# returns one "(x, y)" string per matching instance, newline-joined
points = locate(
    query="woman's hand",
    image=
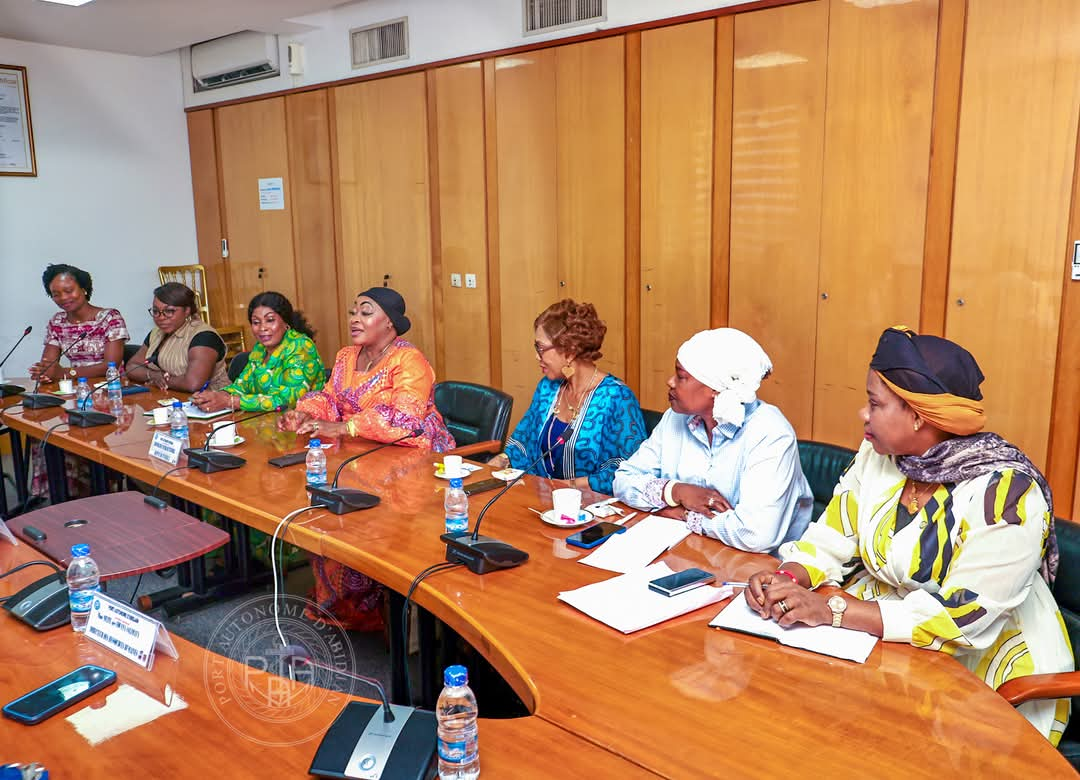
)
(292, 420)
(158, 379)
(322, 428)
(44, 373)
(775, 596)
(703, 500)
(500, 461)
(213, 400)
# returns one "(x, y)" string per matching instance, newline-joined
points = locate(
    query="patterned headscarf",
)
(729, 362)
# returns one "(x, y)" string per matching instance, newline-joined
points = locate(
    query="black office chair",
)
(823, 464)
(652, 419)
(1055, 686)
(477, 416)
(237, 364)
(130, 348)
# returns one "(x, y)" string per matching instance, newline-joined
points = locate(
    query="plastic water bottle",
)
(82, 581)
(82, 394)
(456, 504)
(178, 425)
(459, 750)
(116, 394)
(316, 464)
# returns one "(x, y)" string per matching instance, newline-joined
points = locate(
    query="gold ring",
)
(710, 503)
(783, 607)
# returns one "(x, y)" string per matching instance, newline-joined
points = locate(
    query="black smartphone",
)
(594, 535)
(53, 697)
(483, 486)
(681, 581)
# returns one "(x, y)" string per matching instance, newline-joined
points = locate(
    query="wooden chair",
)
(194, 277)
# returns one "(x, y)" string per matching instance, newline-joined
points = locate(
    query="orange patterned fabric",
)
(945, 411)
(386, 403)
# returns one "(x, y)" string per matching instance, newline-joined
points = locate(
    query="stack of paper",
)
(837, 642)
(638, 546)
(625, 603)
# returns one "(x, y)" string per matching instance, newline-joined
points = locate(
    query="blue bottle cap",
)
(314, 444)
(455, 676)
(455, 483)
(80, 550)
(112, 364)
(82, 380)
(177, 405)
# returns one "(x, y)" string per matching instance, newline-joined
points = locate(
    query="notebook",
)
(195, 413)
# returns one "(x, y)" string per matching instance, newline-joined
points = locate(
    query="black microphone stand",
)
(210, 461)
(36, 400)
(341, 501)
(5, 389)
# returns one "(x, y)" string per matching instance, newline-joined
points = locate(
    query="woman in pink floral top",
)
(98, 334)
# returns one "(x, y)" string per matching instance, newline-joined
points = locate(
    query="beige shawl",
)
(173, 357)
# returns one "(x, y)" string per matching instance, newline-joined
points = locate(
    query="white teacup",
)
(452, 466)
(161, 415)
(567, 502)
(66, 387)
(224, 433)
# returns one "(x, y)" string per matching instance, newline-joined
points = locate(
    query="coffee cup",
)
(567, 502)
(161, 416)
(224, 433)
(66, 387)
(452, 466)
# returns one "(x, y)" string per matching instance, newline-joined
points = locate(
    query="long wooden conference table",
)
(677, 700)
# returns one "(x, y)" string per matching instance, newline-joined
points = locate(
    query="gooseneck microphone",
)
(295, 656)
(209, 461)
(81, 417)
(36, 400)
(482, 554)
(6, 390)
(341, 501)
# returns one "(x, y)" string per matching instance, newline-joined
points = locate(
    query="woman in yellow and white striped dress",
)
(942, 536)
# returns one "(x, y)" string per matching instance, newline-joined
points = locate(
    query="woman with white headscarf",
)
(727, 459)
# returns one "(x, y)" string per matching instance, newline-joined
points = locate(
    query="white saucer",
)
(506, 475)
(460, 475)
(236, 440)
(549, 517)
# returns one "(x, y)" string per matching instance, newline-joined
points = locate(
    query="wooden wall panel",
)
(777, 146)
(251, 140)
(202, 145)
(676, 196)
(1013, 183)
(591, 164)
(528, 247)
(382, 160)
(308, 127)
(723, 86)
(877, 146)
(459, 129)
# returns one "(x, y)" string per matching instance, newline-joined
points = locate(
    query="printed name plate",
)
(165, 447)
(127, 632)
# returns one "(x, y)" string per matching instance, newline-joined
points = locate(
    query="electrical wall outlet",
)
(470, 281)
(455, 280)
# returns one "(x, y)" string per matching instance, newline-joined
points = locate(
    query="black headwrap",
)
(391, 302)
(927, 364)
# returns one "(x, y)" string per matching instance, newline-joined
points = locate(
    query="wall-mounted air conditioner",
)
(232, 59)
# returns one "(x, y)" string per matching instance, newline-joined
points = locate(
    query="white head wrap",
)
(729, 362)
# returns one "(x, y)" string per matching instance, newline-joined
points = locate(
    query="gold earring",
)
(568, 370)
(915, 426)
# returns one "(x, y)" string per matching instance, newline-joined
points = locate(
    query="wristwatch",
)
(837, 604)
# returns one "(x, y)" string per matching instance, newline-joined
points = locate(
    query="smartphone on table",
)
(60, 694)
(483, 486)
(681, 581)
(594, 535)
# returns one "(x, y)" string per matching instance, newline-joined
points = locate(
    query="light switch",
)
(455, 280)
(470, 281)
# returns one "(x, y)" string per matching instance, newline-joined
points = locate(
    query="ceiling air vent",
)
(378, 43)
(543, 16)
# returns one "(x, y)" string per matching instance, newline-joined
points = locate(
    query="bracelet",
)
(350, 426)
(668, 488)
(788, 574)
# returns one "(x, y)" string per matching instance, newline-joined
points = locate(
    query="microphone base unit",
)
(360, 743)
(212, 461)
(342, 501)
(483, 554)
(88, 418)
(41, 400)
(6, 390)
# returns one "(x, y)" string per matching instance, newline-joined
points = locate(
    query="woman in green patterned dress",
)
(282, 367)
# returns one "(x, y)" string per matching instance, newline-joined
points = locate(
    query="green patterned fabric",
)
(293, 369)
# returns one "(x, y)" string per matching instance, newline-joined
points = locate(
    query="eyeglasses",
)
(542, 348)
(168, 312)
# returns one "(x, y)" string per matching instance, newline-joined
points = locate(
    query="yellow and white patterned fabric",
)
(961, 577)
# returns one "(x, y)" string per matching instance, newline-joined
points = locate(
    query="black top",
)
(207, 338)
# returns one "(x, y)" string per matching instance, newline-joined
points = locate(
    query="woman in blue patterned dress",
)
(597, 414)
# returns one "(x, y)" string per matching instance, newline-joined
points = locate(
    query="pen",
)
(737, 584)
(202, 389)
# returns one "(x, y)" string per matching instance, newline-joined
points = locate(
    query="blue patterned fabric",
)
(607, 431)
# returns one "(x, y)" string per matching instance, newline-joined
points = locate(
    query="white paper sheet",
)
(837, 642)
(626, 604)
(639, 545)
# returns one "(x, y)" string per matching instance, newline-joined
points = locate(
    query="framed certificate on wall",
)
(16, 132)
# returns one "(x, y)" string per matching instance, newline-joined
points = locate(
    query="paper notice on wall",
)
(271, 194)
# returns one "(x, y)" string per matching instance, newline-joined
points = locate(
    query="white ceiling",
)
(147, 27)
